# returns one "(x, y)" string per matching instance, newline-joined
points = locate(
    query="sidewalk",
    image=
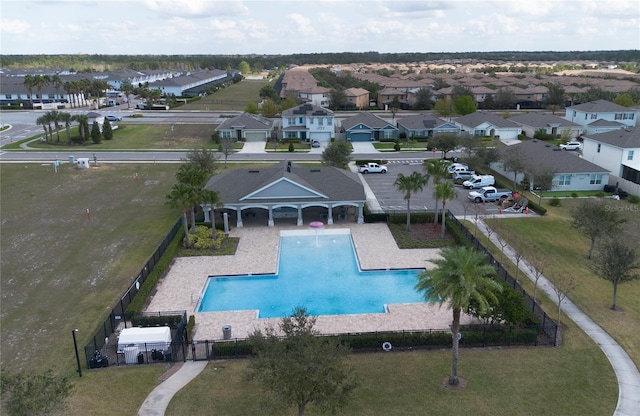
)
(625, 369)
(157, 401)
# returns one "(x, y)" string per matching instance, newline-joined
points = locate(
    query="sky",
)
(213, 27)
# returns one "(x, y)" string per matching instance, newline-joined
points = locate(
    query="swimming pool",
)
(317, 271)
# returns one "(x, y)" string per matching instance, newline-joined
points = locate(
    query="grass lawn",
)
(145, 136)
(566, 253)
(233, 98)
(61, 270)
(573, 194)
(573, 380)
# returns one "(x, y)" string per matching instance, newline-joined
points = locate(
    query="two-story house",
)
(618, 152)
(308, 122)
(601, 116)
(357, 97)
(315, 95)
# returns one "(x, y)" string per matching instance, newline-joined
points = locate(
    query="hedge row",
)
(472, 336)
(145, 321)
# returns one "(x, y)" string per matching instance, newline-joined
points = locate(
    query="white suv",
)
(571, 146)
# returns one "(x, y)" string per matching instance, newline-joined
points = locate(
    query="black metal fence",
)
(117, 316)
(548, 325)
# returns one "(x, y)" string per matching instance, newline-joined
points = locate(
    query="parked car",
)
(479, 181)
(456, 167)
(113, 118)
(315, 143)
(571, 146)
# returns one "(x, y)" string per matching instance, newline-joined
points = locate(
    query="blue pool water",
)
(324, 278)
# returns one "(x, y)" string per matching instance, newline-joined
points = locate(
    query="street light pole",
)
(75, 346)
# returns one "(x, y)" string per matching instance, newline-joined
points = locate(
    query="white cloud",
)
(196, 8)
(303, 24)
(15, 27)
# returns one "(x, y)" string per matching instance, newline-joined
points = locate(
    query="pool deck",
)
(257, 253)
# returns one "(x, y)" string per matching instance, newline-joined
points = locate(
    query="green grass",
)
(144, 136)
(233, 98)
(567, 194)
(566, 252)
(62, 271)
(573, 380)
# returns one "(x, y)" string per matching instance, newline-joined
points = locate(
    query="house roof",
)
(539, 120)
(479, 117)
(601, 106)
(247, 121)
(601, 122)
(307, 110)
(368, 119)
(538, 153)
(355, 92)
(315, 89)
(322, 185)
(420, 122)
(625, 138)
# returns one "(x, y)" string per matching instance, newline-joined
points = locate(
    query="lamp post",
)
(75, 346)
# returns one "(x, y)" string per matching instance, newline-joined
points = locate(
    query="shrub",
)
(291, 147)
(203, 240)
(191, 324)
(537, 208)
(396, 147)
(149, 321)
(574, 194)
(634, 199)
(555, 202)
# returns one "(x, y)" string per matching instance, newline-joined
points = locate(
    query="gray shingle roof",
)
(368, 119)
(248, 121)
(625, 138)
(599, 106)
(479, 117)
(541, 120)
(336, 184)
(307, 110)
(538, 153)
(420, 122)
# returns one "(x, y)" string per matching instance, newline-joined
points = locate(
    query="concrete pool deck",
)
(257, 253)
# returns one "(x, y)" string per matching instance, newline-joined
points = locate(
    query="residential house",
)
(601, 116)
(425, 125)
(364, 127)
(572, 173)
(357, 97)
(288, 192)
(308, 122)
(549, 123)
(619, 152)
(388, 96)
(315, 95)
(246, 128)
(483, 123)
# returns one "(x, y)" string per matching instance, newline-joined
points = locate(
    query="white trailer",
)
(134, 340)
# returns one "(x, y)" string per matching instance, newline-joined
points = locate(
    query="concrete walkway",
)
(624, 368)
(157, 401)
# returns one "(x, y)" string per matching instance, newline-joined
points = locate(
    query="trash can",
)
(226, 332)
(72, 159)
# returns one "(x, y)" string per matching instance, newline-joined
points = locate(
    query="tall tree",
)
(83, 126)
(268, 92)
(96, 134)
(337, 154)
(45, 121)
(269, 109)
(464, 105)
(337, 99)
(617, 262)
(424, 99)
(30, 83)
(56, 81)
(409, 185)
(594, 219)
(107, 130)
(127, 88)
(40, 82)
(212, 198)
(460, 276)
(67, 119)
(514, 160)
(205, 158)
(180, 197)
(437, 170)
(445, 142)
(244, 67)
(195, 178)
(444, 191)
(301, 368)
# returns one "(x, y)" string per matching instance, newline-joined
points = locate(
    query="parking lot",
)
(390, 199)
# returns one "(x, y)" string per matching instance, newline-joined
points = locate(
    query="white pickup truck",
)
(489, 194)
(372, 167)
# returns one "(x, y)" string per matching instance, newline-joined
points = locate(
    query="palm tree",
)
(127, 88)
(437, 169)
(44, 120)
(444, 192)
(180, 197)
(30, 83)
(462, 274)
(410, 184)
(56, 82)
(83, 127)
(55, 117)
(194, 177)
(40, 82)
(67, 119)
(213, 199)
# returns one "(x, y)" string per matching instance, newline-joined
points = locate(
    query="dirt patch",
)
(462, 384)
(428, 232)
